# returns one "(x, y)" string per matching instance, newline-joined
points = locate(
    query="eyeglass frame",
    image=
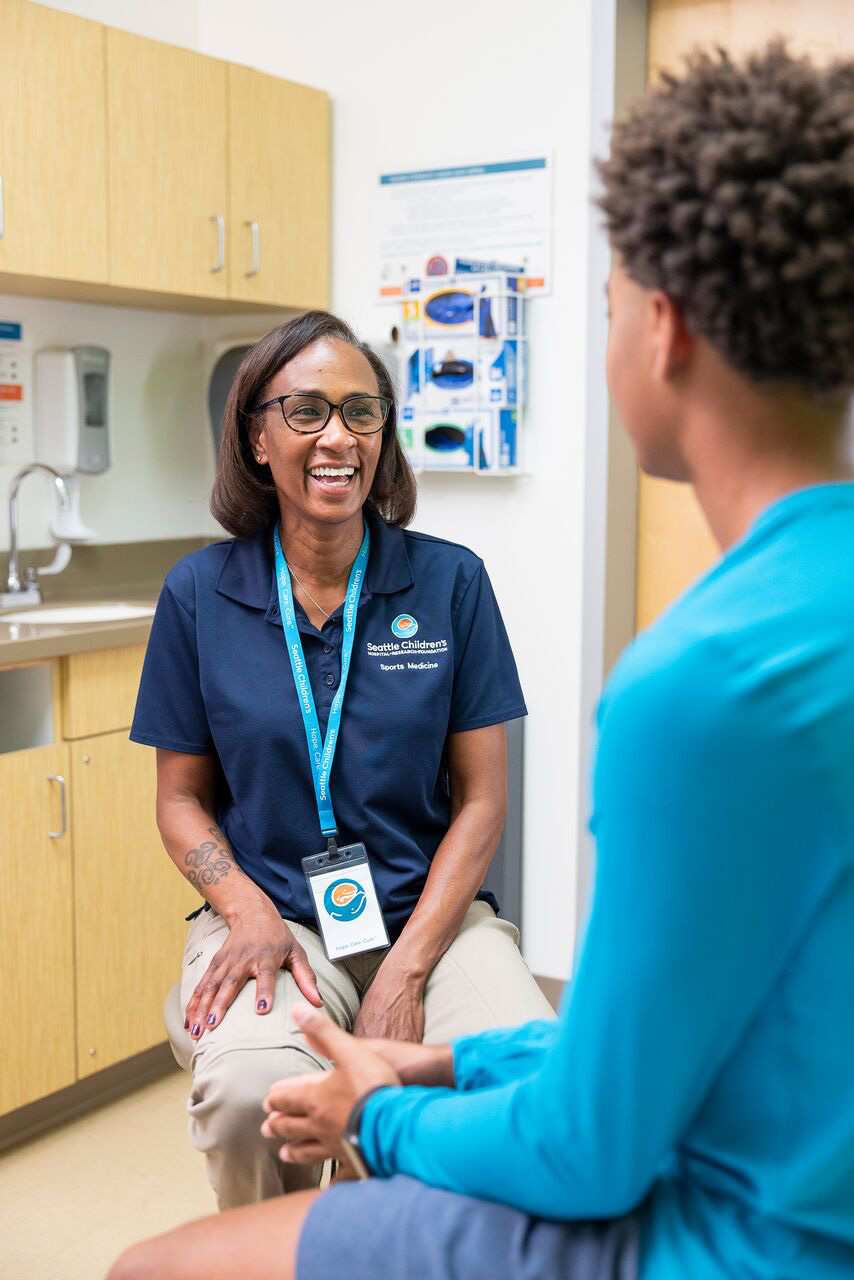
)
(311, 395)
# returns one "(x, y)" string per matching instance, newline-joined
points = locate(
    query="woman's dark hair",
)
(244, 499)
(731, 188)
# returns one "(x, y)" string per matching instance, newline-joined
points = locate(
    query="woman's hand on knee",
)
(258, 945)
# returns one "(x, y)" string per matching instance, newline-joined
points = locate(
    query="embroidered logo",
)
(404, 625)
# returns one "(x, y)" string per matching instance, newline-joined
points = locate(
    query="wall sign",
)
(489, 217)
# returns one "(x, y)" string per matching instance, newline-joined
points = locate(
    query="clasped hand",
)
(310, 1112)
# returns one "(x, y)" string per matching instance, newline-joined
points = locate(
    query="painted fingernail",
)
(262, 1004)
(186, 1024)
(196, 1030)
(211, 1019)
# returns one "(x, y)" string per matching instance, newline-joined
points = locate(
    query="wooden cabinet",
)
(99, 690)
(279, 142)
(168, 179)
(129, 902)
(36, 947)
(91, 909)
(139, 173)
(53, 144)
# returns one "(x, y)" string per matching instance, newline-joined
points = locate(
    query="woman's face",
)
(335, 370)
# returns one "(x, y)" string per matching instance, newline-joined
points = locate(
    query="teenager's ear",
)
(672, 341)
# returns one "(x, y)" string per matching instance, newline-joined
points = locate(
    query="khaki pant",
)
(481, 982)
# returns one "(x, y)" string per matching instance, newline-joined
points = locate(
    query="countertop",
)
(28, 641)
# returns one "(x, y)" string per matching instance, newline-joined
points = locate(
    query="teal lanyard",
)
(320, 754)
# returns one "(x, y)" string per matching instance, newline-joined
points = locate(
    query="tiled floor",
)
(71, 1200)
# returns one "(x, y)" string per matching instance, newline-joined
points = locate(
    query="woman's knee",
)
(226, 1100)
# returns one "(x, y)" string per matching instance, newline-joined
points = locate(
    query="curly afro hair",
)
(731, 188)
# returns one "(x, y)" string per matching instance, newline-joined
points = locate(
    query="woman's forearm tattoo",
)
(211, 862)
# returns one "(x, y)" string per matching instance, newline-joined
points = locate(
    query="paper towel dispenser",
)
(223, 362)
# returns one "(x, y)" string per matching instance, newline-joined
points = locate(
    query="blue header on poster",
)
(461, 171)
(10, 332)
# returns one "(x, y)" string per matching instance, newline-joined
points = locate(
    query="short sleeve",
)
(170, 710)
(486, 683)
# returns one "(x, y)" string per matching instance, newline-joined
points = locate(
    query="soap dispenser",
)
(72, 432)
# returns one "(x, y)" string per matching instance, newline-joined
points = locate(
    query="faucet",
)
(29, 588)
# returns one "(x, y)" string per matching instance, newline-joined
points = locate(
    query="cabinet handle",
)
(2, 218)
(220, 242)
(256, 248)
(57, 777)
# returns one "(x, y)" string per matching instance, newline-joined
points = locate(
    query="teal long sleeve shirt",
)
(701, 1070)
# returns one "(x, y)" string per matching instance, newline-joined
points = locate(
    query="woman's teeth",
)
(335, 477)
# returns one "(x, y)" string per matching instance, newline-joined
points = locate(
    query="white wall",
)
(162, 448)
(175, 21)
(420, 85)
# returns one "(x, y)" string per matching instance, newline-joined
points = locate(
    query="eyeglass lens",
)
(362, 414)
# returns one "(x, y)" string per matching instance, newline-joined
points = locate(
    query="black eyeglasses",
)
(363, 415)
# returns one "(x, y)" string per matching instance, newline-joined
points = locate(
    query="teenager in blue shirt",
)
(310, 449)
(692, 1113)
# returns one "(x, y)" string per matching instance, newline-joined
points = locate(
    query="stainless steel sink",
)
(68, 615)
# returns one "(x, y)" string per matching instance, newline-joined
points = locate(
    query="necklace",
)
(317, 606)
(302, 585)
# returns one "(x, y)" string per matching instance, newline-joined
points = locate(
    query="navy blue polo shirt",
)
(217, 680)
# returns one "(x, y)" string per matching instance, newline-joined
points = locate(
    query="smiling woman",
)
(310, 871)
(279, 382)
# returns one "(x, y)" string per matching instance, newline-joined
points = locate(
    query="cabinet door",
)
(36, 948)
(129, 902)
(168, 164)
(99, 690)
(53, 145)
(280, 162)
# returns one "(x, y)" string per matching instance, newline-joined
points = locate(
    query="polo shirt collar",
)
(247, 573)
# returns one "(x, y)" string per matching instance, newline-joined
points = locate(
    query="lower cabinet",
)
(129, 902)
(91, 907)
(36, 941)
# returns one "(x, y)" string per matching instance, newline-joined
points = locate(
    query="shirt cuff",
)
(378, 1162)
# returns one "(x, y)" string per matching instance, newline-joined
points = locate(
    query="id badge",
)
(345, 901)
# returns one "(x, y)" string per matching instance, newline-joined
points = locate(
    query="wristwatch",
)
(351, 1139)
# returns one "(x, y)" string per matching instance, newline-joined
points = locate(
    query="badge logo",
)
(345, 900)
(404, 625)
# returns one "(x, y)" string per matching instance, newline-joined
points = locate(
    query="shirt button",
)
(327, 648)
(329, 679)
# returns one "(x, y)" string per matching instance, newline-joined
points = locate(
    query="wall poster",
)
(493, 216)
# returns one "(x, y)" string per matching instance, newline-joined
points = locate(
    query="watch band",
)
(351, 1137)
(354, 1157)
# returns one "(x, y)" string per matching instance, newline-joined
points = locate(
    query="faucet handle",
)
(31, 588)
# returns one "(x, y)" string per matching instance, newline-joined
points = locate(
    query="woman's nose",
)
(336, 434)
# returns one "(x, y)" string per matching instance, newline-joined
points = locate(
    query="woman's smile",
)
(334, 479)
